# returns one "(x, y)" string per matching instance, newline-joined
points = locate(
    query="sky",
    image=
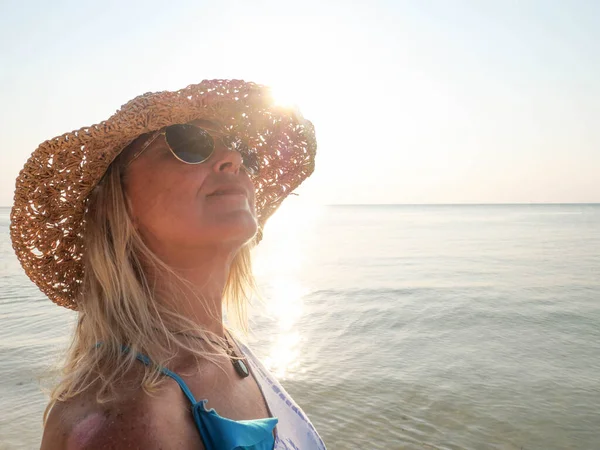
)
(412, 101)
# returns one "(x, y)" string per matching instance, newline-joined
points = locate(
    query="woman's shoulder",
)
(135, 420)
(83, 423)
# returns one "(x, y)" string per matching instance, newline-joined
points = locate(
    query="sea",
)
(392, 326)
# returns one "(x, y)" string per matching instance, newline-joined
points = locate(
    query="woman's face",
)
(186, 206)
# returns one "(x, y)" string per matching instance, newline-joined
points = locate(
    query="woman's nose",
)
(227, 161)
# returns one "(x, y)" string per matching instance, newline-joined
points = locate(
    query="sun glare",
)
(282, 250)
(284, 96)
(286, 305)
(278, 264)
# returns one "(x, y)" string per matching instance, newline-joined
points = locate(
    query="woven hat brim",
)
(53, 188)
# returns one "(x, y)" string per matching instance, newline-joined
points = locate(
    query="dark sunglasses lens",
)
(249, 158)
(190, 143)
(250, 162)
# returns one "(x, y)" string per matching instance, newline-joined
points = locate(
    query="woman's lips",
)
(228, 190)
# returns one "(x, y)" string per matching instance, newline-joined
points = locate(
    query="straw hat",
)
(52, 189)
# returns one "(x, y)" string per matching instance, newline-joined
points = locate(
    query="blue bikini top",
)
(220, 433)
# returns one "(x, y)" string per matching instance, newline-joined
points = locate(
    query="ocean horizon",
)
(441, 204)
(395, 326)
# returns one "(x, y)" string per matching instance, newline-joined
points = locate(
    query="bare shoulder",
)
(137, 420)
(82, 423)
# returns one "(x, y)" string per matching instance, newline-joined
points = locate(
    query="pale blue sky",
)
(413, 101)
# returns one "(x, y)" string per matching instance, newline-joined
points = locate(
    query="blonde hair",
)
(119, 308)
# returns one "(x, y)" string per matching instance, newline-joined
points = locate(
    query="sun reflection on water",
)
(278, 263)
(285, 303)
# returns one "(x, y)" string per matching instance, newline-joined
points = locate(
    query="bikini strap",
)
(143, 358)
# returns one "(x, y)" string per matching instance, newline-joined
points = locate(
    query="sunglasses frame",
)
(163, 132)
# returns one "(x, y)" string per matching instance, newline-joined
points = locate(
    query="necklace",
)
(239, 363)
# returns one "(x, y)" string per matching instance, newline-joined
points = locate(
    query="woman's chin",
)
(236, 228)
(241, 235)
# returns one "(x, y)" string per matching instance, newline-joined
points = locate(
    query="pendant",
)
(238, 364)
(240, 367)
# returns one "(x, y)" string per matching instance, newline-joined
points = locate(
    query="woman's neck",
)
(200, 296)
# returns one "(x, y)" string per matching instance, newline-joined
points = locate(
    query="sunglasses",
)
(192, 144)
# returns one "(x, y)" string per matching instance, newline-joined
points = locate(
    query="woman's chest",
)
(230, 396)
(188, 424)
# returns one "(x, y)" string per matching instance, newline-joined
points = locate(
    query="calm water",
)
(418, 327)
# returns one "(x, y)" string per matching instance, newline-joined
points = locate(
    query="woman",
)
(144, 225)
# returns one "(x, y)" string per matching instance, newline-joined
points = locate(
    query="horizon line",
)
(450, 204)
(465, 204)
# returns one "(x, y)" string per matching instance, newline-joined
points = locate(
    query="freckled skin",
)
(135, 421)
(161, 421)
(85, 430)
